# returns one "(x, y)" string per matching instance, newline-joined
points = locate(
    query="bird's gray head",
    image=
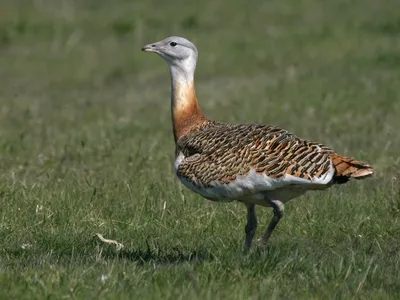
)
(177, 51)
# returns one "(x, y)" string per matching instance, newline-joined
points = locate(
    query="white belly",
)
(244, 190)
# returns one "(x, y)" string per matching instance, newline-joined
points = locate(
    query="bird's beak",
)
(151, 48)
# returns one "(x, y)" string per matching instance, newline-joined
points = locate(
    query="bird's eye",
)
(173, 44)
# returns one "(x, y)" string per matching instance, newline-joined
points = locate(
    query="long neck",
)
(186, 112)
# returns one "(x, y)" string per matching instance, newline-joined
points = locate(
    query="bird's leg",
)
(251, 226)
(278, 208)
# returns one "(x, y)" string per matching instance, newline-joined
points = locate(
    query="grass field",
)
(86, 147)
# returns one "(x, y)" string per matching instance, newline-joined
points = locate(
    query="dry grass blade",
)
(118, 245)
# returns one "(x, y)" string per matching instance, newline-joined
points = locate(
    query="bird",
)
(256, 164)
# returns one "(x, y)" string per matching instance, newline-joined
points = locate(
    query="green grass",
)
(86, 147)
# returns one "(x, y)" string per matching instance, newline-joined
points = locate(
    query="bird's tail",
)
(347, 168)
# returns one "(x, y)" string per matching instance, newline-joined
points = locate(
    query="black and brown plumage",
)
(251, 163)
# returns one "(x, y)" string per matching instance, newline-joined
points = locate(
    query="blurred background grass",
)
(86, 146)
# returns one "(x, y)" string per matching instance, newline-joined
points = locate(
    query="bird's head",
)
(176, 51)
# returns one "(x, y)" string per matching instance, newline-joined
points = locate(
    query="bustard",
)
(251, 163)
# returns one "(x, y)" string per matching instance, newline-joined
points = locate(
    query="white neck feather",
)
(182, 72)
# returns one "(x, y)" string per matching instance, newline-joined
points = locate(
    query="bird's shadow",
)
(160, 256)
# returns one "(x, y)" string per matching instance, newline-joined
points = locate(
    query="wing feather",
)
(225, 151)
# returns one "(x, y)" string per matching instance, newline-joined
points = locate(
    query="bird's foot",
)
(259, 245)
(262, 244)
